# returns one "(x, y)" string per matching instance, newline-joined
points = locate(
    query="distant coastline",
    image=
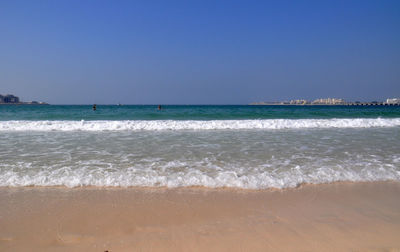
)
(25, 103)
(347, 104)
(10, 99)
(332, 102)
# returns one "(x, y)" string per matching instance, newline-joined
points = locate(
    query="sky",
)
(199, 52)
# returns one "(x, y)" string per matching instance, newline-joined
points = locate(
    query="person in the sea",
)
(94, 107)
(159, 107)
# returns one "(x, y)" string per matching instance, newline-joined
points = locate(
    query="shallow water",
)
(244, 153)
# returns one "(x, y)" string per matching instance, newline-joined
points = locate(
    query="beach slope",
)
(328, 217)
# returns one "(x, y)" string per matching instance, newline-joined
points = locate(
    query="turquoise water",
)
(213, 146)
(186, 112)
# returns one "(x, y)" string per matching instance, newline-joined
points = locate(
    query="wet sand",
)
(330, 217)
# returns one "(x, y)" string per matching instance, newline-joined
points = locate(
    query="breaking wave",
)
(126, 178)
(158, 125)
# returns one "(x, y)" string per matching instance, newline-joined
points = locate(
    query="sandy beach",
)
(329, 217)
(201, 126)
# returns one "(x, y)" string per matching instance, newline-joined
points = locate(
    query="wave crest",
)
(157, 125)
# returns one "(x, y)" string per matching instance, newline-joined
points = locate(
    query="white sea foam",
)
(157, 125)
(124, 178)
(156, 153)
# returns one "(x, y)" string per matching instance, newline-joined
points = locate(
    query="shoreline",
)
(324, 217)
(197, 187)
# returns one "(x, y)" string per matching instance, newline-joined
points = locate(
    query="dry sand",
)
(330, 217)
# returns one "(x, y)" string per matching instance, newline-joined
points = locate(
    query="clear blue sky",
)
(199, 52)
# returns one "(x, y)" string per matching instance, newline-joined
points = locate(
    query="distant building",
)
(10, 99)
(329, 101)
(393, 101)
(299, 102)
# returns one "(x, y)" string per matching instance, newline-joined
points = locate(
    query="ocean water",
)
(253, 147)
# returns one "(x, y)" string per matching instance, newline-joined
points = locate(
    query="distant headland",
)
(333, 101)
(12, 99)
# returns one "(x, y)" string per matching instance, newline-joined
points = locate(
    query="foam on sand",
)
(142, 177)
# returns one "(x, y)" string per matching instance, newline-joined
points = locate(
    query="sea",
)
(249, 147)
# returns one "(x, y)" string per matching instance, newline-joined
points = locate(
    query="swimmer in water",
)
(94, 107)
(159, 107)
